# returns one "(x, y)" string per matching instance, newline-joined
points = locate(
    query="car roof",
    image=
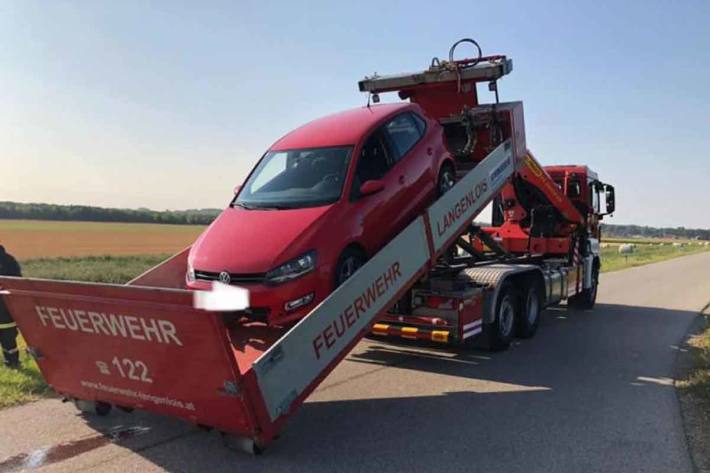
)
(339, 129)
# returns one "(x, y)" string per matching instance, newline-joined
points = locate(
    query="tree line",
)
(84, 213)
(654, 232)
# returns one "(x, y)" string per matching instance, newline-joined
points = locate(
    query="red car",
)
(322, 200)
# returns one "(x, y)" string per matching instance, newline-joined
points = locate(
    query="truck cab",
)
(593, 198)
(548, 209)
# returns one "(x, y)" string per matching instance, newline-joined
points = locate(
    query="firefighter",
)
(8, 329)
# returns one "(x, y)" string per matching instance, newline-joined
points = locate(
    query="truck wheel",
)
(586, 299)
(500, 332)
(349, 262)
(529, 316)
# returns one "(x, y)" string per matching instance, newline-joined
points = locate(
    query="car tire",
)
(446, 179)
(349, 262)
(499, 333)
(529, 314)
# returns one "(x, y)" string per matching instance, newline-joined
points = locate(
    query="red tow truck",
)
(443, 278)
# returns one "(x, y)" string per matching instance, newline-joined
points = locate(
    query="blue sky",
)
(167, 105)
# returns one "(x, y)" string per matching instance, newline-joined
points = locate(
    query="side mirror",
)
(237, 188)
(371, 187)
(609, 198)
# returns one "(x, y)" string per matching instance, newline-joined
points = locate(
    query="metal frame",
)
(486, 70)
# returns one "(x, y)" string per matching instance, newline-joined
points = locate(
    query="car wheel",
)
(349, 262)
(446, 179)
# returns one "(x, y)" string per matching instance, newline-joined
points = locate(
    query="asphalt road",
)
(591, 392)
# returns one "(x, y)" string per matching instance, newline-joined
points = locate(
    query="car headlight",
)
(293, 269)
(190, 273)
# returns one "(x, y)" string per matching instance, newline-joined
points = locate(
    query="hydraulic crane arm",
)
(532, 172)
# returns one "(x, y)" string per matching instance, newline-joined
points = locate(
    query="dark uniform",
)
(8, 329)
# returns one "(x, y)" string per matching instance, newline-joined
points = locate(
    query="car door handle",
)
(401, 179)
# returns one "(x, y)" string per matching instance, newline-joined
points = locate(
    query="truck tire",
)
(529, 314)
(499, 333)
(586, 299)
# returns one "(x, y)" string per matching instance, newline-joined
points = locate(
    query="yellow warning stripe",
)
(440, 336)
(412, 333)
(380, 329)
(409, 332)
(8, 325)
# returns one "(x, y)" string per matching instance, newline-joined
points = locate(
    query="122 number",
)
(135, 370)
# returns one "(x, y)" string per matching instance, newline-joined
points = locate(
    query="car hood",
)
(255, 241)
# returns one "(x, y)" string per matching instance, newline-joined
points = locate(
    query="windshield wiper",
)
(262, 207)
(273, 207)
(243, 205)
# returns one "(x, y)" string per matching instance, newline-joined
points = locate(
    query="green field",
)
(108, 269)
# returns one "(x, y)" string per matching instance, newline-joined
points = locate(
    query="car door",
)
(377, 213)
(413, 164)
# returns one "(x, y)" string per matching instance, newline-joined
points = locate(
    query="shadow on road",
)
(591, 391)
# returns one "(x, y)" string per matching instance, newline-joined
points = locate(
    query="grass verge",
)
(693, 387)
(698, 382)
(645, 254)
(27, 384)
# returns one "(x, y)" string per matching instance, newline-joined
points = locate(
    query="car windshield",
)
(296, 178)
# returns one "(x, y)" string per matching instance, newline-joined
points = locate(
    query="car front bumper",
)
(268, 302)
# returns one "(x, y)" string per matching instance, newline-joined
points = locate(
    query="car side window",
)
(374, 161)
(404, 132)
(421, 124)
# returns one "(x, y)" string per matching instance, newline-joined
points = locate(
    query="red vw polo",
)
(322, 200)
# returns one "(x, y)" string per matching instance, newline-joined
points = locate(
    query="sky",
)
(168, 105)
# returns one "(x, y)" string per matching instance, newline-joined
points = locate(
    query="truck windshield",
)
(296, 178)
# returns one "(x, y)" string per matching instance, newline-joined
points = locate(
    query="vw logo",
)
(225, 277)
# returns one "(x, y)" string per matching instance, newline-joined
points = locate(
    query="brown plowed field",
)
(27, 239)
